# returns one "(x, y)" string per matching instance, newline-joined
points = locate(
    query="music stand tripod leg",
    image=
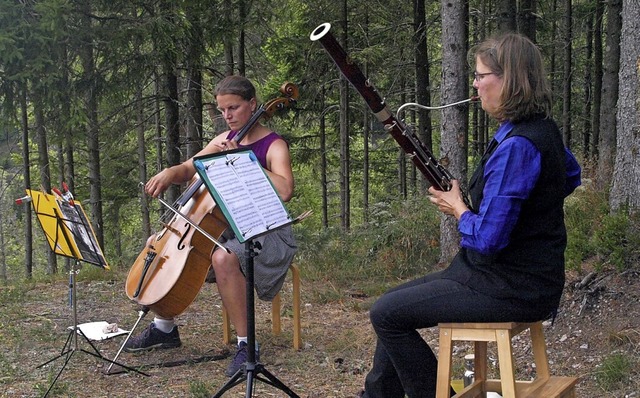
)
(141, 314)
(251, 370)
(71, 344)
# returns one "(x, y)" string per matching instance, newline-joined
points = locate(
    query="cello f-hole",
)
(180, 244)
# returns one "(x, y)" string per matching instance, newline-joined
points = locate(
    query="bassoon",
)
(436, 174)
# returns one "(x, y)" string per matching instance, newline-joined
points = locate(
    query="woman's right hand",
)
(449, 202)
(160, 182)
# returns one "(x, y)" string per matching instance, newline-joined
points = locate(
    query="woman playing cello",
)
(236, 100)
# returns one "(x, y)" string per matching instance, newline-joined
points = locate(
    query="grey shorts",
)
(272, 261)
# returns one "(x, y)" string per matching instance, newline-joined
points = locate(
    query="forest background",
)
(101, 95)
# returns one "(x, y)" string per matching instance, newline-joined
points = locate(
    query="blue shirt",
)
(510, 174)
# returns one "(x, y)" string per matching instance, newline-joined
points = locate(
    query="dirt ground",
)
(599, 316)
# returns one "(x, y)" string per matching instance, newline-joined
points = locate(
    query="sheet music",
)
(96, 330)
(242, 188)
(67, 228)
(76, 221)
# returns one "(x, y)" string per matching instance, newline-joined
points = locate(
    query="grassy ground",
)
(596, 337)
(35, 318)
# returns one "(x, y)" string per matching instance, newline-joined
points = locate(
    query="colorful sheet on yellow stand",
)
(67, 228)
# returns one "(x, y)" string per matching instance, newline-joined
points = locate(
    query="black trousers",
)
(403, 362)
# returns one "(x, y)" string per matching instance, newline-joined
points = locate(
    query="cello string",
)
(196, 226)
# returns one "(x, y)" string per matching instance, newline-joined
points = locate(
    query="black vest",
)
(531, 268)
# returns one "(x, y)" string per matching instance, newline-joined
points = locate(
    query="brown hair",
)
(525, 89)
(238, 85)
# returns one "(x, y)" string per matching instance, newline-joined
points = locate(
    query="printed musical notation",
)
(244, 192)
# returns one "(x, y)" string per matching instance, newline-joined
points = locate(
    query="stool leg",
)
(539, 351)
(297, 326)
(507, 369)
(275, 315)
(443, 384)
(480, 364)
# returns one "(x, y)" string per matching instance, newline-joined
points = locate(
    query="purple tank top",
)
(259, 147)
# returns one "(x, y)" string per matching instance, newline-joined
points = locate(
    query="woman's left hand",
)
(225, 145)
(449, 202)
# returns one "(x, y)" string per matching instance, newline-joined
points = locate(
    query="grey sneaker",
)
(152, 338)
(240, 358)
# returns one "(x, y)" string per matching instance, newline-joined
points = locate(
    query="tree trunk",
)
(454, 119)
(142, 166)
(91, 111)
(242, 14)
(172, 120)
(527, 19)
(597, 78)
(28, 227)
(69, 174)
(553, 65)
(611, 67)
(402, 174)
(194, 85)
(366, 115)
(407, 174)
(345, 194)
(43, 165)
(366, 112)
(479, 127)
(506, 15)
(226, 38)
(115, 218)
(566, 92)
(626, 175)
(323, 159)
(588, 91)
(423, 90)
(158, 121)
(67, 164)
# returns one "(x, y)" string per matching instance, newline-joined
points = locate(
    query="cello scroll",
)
(267, 110)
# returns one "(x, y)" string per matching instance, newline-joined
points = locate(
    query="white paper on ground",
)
(95, 330)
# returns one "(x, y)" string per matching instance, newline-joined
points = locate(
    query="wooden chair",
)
(275, 313)
(544, 385)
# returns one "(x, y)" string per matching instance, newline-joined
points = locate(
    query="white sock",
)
(164, 325)
(244, 339)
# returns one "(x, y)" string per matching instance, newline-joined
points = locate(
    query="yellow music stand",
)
(67, 228)
(69, 234)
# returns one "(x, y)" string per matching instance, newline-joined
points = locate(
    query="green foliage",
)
(618, 240)
(41, 44)
(9, 370)
(614, 371)
(580, 225)
(12, 294)
(400, 241)
(59, 389)
(598, 236)
(199, 389)
(281, 48)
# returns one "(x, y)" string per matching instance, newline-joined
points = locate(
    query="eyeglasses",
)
(479, 76)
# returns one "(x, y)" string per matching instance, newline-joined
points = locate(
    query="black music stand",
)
(252, 370)
(252, 207)
(69, 234)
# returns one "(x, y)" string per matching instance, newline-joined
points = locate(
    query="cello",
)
(169, 272)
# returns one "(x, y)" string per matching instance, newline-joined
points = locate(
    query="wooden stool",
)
(544, 385)
(275, 313)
